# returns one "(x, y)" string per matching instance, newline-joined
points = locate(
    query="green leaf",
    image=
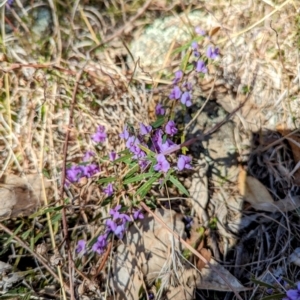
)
(147, 150)
(56, 218)
(185, 60)
(126, 159)
(15, 233)
(144, 189)
(179, 185)
(133, 170)
(106, 180)
(160, 121)
(261, 283)
(45, 211)
(167, 177)
(139, 177)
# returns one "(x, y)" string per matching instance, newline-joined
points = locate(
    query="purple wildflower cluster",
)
(150, 147)
(184, 93)
(76, 172)
(158, 141)
(89, 168)
(116, 225)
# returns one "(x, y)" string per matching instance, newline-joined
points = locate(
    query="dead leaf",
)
(255, 192)
(210, 280)
(213, 31)
(259, 197)
(20, 196)
(294, 142)
(206, 253)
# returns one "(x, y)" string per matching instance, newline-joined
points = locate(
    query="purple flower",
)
(184, 162)
(143, 163)
(101, 244)
(162, 163)
(80, 246)
(118, 230)
(115, 210)
(145, 129)
(124, 218)
(188, 85)
(74, 173)
(188, 221)
(89, 170)
(212, 53)
(100, 135)
(200, 31)
(113, 155)
(171, 128)
(138, 152)
(125, 134)
(137, 214)
(194, 46)
(131, 142)
(108, 190)
(186, 99)
(175, 93)
(88, 155)
(178, 76)
(293, 294)
(167, 145)
(9, 3)
(201, 67)
(159, 110)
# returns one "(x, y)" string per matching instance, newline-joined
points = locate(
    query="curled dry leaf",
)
(210, 280)
(259, 197)
(20, 196)
(206, 253)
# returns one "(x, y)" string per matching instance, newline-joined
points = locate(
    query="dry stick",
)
(34, 254)
(195, 252)
(63, 177)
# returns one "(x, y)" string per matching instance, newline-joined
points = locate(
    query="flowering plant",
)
(151, 155)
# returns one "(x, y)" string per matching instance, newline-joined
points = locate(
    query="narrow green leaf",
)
(139, 177)
(126, 159)
(179, 185)
(261, 283)
(133, 170)
(167, 177)
(45, 211)
(106, 180)
(25, 234)
(160, 121)
(15, 233)
(144, 189)
(147, 150)
(56, 218)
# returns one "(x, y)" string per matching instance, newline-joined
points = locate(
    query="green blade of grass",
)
(179, 185)
(144, 189)
(139, 177)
